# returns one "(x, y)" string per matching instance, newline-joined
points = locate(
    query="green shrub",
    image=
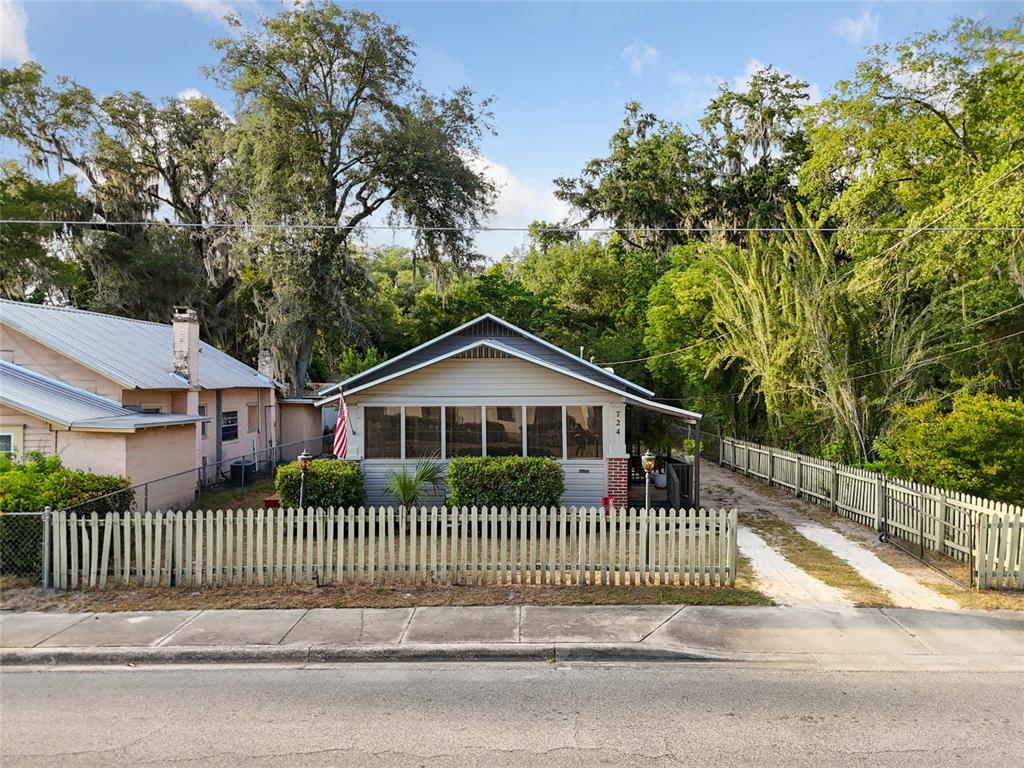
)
(496, 481)
(976, 446)
(40, 482)
(330, 483)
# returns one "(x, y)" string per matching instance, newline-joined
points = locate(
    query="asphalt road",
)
(494, 715)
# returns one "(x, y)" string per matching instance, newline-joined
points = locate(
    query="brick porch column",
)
(618, 481)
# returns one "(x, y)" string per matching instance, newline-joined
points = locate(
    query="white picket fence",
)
(989, 534)
(435, 545)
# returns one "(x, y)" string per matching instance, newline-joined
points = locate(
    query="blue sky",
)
(560, 72)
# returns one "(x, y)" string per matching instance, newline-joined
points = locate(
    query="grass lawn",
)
(231, 497)
(25, 595)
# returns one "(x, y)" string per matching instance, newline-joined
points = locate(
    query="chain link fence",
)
(239, 482)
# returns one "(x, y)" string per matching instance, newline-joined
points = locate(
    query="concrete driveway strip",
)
(782, 581)
(482, 624)
(592, 624)
(237, 627)
(25, 630)
(349, 626)
(756, 629)
(106, 630)
(906, 592)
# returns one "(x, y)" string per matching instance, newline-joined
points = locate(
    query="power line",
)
(486, 228)
(927, 227)
(940, 357)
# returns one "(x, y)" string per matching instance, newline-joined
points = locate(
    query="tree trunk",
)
(305, 354)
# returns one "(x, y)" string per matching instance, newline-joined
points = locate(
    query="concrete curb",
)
(330, 654)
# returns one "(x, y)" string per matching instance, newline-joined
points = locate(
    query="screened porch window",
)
(464, 430)
(544, 430)
(422, 431)
(504, 430)
(383, 432)
(583, 426)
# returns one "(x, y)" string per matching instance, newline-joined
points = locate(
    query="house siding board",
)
(35, 433)
(476, 380)
(502, 336)
(17, 348)
(134, 353)
(586, 481)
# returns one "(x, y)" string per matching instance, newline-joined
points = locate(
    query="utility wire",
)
(923, 363)
(568, 229)
(838, 278)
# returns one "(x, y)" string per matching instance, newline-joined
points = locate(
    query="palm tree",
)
(408, 488)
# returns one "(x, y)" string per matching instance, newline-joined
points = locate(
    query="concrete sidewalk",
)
(845, 638)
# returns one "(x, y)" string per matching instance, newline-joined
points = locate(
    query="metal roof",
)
(460, 345)
(491, 328)
(60, 403)
(134, 353)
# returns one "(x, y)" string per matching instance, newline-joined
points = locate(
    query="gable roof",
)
(136, 354)
(489, 332)
(491, 327)
(54, 401)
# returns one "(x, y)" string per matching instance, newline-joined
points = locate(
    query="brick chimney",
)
(265, 363)
(186, 344)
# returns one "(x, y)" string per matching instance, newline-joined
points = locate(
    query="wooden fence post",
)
(721, 447)
(796, 483)
(746, 459)
(940, 525)
(771, 466)
(879, 501)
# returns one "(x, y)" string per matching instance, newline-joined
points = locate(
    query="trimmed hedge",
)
(509, 481)
(40, 482)
(330, 483)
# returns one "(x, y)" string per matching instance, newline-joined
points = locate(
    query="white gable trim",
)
(642, 402)
(509, 326)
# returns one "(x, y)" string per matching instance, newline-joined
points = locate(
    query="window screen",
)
(544, 430)
(7, 443)
(583, 427)
(228, 426)
(464, 431)
(203, 425)
(504, 430)
(422, 431)
(252, 417)
(383, 432)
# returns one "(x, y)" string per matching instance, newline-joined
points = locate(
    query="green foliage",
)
(40, 482)
(976, 447)
(329, 483)
(408, 487)
(496, 481)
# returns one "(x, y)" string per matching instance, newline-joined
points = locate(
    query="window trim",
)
(251, 427)
(223, 418)
(14, 445)
(204, 431)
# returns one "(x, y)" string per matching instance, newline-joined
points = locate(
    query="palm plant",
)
(409, 487)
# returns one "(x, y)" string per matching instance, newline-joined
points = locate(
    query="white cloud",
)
(639, 56)
(211, 9)
(520, 201)
(859, 30)
(13, 43)
(191, 93)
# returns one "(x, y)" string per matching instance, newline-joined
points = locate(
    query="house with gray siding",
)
(489, 388)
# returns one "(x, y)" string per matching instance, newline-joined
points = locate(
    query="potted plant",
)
(659, 441)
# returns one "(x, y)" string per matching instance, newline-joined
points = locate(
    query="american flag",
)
(340, 432)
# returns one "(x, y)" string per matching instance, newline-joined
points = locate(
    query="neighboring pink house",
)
(149, 369)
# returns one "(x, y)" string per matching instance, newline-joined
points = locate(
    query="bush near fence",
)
(27, 488)
(329, 483)
(495, 481)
